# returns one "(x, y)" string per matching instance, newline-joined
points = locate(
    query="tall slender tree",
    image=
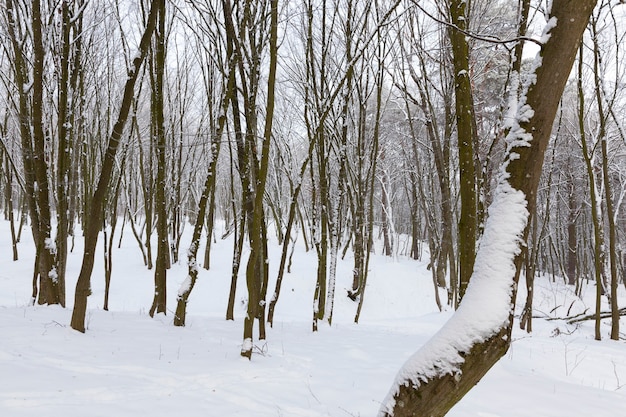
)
(465, 126)
(94, 219)
(159, 304)
(227, 77)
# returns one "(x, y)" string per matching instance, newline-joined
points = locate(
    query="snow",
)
(128, 364)
(185, 286)
(551, 24)
(53, 275)
(50, 245)
(191, 262)
(247, 345)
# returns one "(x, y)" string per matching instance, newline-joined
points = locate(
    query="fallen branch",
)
(591, 316)
(586, 316)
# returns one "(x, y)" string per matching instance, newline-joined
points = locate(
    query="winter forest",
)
(313, 207)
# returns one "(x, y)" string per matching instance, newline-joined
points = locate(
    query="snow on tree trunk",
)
(437, 376)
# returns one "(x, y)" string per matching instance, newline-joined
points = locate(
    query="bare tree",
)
(596, 214)
(217, 72)
(70, 50)
(157, 103)
(29, 54)
(426, 88)
(466, 134)
(601, 102)
(248, 26)
(92, 228)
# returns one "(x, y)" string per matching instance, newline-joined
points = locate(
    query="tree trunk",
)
(386, 212)
(35, 155)
(441, 155)
(598, 230)
(608, 193)
(64, 151)
(205, 200)
(159, 303)
(321, 223)
(253, 167)
(94, 220)
(21, 81)
(465, 138)
(459, 355)
(572, 239)
(108, 240)
(9, 167)
(238, 239)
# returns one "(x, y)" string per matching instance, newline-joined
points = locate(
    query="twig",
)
(484, 38)
(619, 386)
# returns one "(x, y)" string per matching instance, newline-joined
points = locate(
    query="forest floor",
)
(128, 364)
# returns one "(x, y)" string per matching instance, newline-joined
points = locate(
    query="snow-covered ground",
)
(128, 364)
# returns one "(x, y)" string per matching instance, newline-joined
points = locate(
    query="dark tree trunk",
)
(94, 219)
(205, 200)
(606, 178)
(598, 230)
(159, 303)
(465, 139)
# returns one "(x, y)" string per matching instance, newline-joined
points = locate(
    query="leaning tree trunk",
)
(437, 376)
(94, 221)
(208, 190)
(159, 302)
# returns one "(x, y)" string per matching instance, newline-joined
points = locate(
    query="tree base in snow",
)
(435, 397)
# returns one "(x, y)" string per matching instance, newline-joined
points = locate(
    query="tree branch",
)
(484, 38)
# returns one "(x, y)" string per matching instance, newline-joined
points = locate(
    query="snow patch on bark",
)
(247, 345)
(53, 275)
(50, 245)
(185, 287)
(550, 24)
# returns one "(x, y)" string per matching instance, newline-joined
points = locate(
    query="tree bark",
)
(21, 81)
(36, 159)
(252, 165)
